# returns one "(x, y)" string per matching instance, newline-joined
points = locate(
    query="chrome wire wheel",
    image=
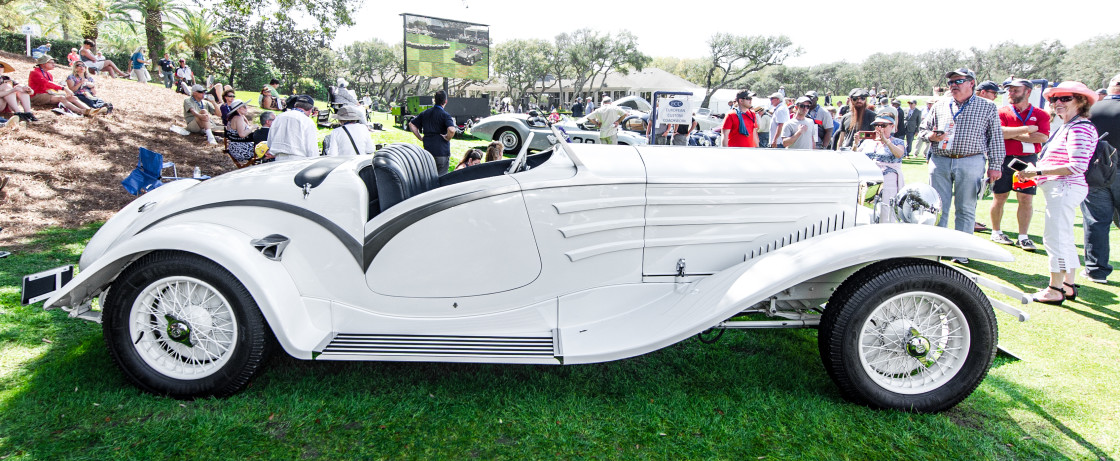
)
(914, 342)
(183, 327)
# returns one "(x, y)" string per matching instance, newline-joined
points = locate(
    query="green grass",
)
(752, 395)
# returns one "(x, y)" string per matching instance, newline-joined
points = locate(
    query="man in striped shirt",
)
(964, 135)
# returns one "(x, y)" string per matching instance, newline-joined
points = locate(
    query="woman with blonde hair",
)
(82, 85)
(1060, 174)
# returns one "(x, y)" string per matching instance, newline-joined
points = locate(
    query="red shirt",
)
(40, 81)
(731, 129)
(1009, 117)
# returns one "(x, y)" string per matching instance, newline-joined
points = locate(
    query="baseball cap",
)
(803, 99)
(1018, 82)
(988, 85)
(776, 95)
(858, 93)
(963, 72)
(811, 94)
(198, 88)
(895, 101)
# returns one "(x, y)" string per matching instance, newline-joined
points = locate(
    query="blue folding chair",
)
(148, 173)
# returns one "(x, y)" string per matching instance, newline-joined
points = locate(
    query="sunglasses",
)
(879, 125)
(958, 81)
(807, 106)
(1066, 98)
(860, 98)
(228, 96)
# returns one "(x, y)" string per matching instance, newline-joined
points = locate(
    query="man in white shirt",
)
(352, 138)
(185, 77)
(780, 118)
(293, 134)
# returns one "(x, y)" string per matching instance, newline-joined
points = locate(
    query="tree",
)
(1003, 60)
(197, 31)
(151, 14)
(732, 57)
(329, 14)
(522, 64)
(1092, 61)
(590, 54)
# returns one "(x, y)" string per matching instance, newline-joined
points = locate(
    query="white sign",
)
(674, 110)
(29, 29)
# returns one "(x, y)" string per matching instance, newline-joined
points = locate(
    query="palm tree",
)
(198, 31)
(152, 12)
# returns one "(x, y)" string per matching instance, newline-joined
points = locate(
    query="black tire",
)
(510, 139)
(876, 375)
(226, 364)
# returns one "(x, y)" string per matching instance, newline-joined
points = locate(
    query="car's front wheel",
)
(912, 335)
(511, 141)
(181, 325)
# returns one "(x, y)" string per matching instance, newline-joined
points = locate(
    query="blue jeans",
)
(764, 139)
(1100, 209)
(957, 180)
(167, 77)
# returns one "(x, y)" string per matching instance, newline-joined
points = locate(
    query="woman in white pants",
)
(1060, 174)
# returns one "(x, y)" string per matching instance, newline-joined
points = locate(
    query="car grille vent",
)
(428, 345)
(824, 226)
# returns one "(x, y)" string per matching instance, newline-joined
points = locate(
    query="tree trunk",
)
(153, 29)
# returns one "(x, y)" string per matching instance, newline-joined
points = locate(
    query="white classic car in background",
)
(513, 129)
(590, 253)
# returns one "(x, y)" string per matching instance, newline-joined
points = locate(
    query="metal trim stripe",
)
(381, 236)
(353, 246)
(598, 204)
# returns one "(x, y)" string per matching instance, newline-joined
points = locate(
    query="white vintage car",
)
(512, 130)
(579, 254)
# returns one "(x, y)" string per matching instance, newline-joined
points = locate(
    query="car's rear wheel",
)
(511, 141)
(911, 335)
(181, 325)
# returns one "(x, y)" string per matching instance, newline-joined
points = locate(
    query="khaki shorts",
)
(43, 99)
(193, 126)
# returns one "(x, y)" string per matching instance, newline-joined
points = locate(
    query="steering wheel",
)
(520, 161)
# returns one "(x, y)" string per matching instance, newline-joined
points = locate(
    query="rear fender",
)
(700, 305)
(295, 327)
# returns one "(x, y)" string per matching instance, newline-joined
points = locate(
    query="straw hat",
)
(7, 68)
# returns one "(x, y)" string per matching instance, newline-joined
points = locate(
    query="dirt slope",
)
(66, 171)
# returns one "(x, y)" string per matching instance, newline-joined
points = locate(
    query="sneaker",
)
(59, 111)
(1026, 244)
(960, 260)
(1000, 238)
(1085, 274)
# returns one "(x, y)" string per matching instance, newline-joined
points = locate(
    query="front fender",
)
(296, 328)
(704, 303)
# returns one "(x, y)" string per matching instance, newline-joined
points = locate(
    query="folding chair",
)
(332, 106)
(225, 148)
(148, 173)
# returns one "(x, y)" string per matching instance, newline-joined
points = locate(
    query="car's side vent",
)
(435, 345)
(272, 247)
(824, 226)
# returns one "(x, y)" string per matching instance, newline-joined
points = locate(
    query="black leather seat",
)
(402, 171)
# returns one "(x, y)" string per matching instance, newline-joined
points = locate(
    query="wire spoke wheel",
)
(908, 334)
(914, 342)
(183, 327)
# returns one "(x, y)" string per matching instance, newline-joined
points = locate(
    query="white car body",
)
(599, 253)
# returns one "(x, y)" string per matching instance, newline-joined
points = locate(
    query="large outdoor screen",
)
(435, 47)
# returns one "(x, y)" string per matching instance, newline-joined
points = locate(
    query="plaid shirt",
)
(976, 131)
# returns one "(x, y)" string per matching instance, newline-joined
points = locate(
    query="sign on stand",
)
(670, 108)
(28, 30)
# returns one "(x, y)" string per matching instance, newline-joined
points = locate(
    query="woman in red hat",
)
(1060, 175)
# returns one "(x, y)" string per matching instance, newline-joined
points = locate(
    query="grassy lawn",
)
(752, 395)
